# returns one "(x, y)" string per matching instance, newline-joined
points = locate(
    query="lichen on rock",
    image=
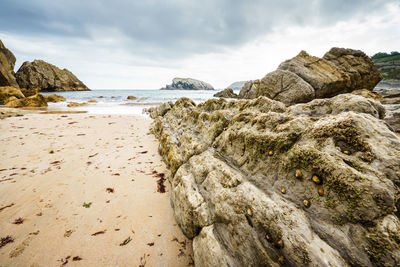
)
(230, 160)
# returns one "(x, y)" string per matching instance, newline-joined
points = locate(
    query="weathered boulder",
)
(280, 85)
(42, 76)
(226, 93)
(131, 97)
(187, 84)
(255, 183)
(54, 98)
(8, 93)
(7, 63)
(31, 101)
(306, 77)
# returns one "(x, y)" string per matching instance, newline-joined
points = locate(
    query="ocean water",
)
(116, 102)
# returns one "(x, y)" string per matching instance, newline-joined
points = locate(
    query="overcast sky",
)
(143, 44)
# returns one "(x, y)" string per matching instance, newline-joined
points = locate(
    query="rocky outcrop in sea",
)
(255, 182)
(226, 93)
(188, 84)
(42, 76)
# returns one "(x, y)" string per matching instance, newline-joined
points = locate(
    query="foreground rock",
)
(188, 84)
(227, 93)
(31, 101)
(305, 77)
(255, 183)
(42, 76)
(9, 93)
(7, 63)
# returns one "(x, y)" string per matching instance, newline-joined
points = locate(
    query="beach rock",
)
(8, 93)
(131, 97)
(280, 85)
(31, 101)
(188, 84)
(76, 104)
(54, 98)
(306, 77)
(42, 76)
(7, 63)
(226, 93)
(230, 159)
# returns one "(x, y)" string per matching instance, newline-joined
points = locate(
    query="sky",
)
(144, 44)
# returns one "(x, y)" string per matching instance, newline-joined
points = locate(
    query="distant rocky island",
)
(187, 84)
(237, 85)
(303, 170)
(22, 89)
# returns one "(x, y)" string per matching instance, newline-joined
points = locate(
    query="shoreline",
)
(85, 187)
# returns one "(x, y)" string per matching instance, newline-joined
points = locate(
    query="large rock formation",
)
(187, 84)
(306, 77)
(42, 76)
(255, 183)
(7, 63)
(226, 93)
(8, 93)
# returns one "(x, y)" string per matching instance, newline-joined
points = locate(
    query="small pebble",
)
(249, 212)
(283, 190)
(279, 243)
(270, 153)
(299, 174)
(321, 191)
(316, 179)
(281, 260)
(268, 237)
(306, 203)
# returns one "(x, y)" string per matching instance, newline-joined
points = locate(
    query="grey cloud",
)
(172, 28)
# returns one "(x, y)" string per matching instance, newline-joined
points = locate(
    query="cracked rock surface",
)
(256, 183)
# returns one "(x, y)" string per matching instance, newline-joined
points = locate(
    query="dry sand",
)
(53, 165)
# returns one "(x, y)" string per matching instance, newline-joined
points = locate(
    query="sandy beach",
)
(85, 190)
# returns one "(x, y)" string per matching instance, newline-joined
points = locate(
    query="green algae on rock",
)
(218, 152)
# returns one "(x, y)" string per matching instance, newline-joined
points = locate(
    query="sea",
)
(116, 102)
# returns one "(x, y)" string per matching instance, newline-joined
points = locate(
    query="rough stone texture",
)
(54, 98)
(31, 101)
(131, 97)
(7, 63)
(306, 77)
(8, 93)
(280, 85)
(226, 93)
(188, 84)
(42, 76)
(230, 161)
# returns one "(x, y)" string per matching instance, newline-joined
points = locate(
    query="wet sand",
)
(82, 190)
